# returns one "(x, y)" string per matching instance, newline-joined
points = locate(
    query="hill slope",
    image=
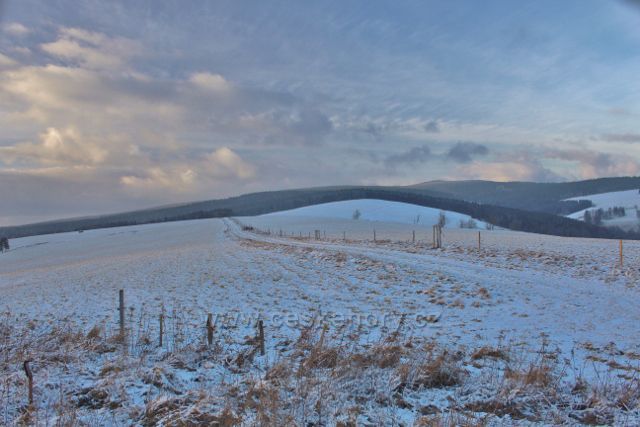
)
(559, 198)
(379, 210)
(629, 200)
(261, 203)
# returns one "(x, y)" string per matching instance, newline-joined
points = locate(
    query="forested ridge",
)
(267, 202)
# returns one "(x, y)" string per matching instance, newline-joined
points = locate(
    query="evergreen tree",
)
(597, 216)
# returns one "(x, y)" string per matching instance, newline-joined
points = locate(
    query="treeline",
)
(4, 244)
(267, 202)
(531, 196)
(597, 216)
(513, 219)
(80, 225)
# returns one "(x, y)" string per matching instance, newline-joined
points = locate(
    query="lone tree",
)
(356, 214)
(4, 244)
(442, 219)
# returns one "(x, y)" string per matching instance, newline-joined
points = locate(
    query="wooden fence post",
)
(121, 309)
(209, 329)
(479, 244)
(161, 327)
(437, 236)
(29, 374)
(621, 256)
(261, 336)
(413, 237)
(374, 234)
(434, 237)
(344, 236)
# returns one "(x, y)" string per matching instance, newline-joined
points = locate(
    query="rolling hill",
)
(437, 195)
(558, 198)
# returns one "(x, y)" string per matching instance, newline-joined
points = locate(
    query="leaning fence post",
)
(29, 374)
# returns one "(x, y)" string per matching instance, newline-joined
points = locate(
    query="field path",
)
(524, 303)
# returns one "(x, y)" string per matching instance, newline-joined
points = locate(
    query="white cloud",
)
(91, 49)
(193, 177)
(16, 29)
(225, 162)
(209, 81)
(56, 147)
(158, 179)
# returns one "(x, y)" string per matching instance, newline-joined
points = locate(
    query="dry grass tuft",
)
(382, 356)
(437, 370)
(190, 410)
(535, 375)
(94, 333)
(489, 353)
(497, 407)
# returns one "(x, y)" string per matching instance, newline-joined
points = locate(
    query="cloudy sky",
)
(109, 106)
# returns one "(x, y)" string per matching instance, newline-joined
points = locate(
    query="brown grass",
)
(437, 370)
(535, 375)
(490, 353)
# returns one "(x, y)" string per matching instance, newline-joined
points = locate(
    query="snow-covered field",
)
(372, 210)
(629, 199)
(528, 329)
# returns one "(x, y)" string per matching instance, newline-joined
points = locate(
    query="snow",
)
(629, 199)
(378, 210)
(520, 291)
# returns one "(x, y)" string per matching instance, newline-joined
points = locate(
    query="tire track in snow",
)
(530, 302)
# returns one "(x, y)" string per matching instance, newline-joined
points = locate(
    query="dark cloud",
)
(415, 155)
(311, 125)
(463, 152)
(432, 127)
(630, 138)
(593, 164)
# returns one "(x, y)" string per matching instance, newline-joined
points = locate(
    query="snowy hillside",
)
(630, 200)
(379, 210)
(528, 328)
